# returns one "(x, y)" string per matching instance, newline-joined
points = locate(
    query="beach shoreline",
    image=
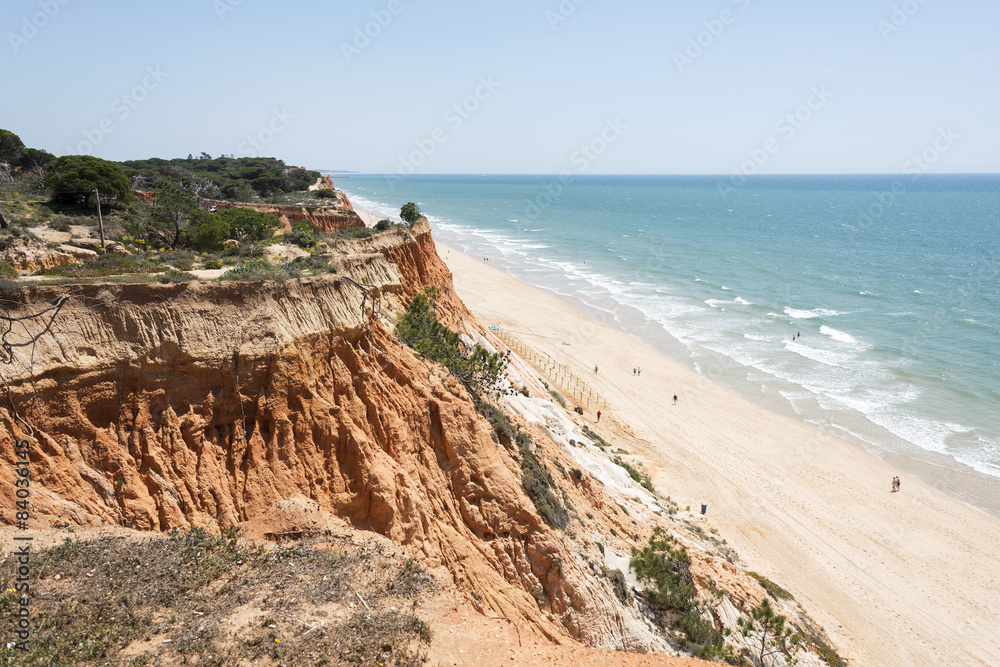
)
(808, 509)
(978, 491)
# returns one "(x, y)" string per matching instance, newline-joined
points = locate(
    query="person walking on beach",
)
(595, 369)
(895, 484)
(598, 416)
(638, 371)
(675, 399)
(633, 370)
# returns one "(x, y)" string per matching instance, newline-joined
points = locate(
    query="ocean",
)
(868, 306)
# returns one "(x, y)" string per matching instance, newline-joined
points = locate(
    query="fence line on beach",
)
(568, 381)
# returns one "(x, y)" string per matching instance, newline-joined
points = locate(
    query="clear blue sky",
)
(230, 70)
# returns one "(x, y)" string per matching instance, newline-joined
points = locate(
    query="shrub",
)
(103, 266)
(325, 194)
(383, 225)
(303, 235)
(410, 213)
(559, 397)
(474, 367)
(618, 584)
(172, 276)
(640, 477)
(213, 263)
(207, 231)
(255, 269)
(665, 567)
(314, 263)
(8, 271)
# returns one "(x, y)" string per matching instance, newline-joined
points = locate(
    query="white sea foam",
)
(844, 337)
(827, 357)
(811, 314)
(742, 301)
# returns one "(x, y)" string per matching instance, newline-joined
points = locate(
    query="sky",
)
(483, 86)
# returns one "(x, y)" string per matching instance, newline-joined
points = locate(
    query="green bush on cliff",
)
(477, 369)
(665, 567)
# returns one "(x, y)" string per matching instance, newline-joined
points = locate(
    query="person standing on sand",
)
(595, 369)
(675, 399)
(598, 416)
(633, 370)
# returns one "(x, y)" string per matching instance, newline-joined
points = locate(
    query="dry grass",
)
(191, 598)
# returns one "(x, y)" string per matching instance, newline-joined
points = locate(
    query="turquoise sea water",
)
(893, 282)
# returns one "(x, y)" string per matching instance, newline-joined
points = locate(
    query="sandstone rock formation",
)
(204, 404)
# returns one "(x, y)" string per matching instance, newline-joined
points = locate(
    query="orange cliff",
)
(198, 404)
(203, 404)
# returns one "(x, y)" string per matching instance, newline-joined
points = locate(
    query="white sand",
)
(368, 218)
(909, 578)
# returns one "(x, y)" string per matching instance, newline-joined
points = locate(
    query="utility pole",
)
(100, 220)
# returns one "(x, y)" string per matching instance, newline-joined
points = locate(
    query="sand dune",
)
(908, 579)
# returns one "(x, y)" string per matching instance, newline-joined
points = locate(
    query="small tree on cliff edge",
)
(410, 213)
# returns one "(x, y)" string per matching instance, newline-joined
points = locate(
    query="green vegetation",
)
(618, 584)
(410, 213)
(105, 265)
(208, 231)
(17, 155)
(303, 235)
(637, 475)
(559, 398)
(477, 369)
(767, 634)
(259, 269)
(773, 589)
(240, 179)
(665, 567)
(598, 440)
(73, 177)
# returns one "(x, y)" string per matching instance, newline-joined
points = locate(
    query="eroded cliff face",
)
(203, 404)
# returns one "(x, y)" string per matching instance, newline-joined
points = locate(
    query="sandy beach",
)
(909, 578)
